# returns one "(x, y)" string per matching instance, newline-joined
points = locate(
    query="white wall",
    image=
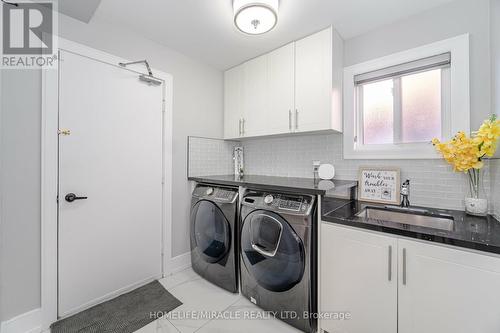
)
(197, 108)
(433, 182)
(495, 70)
(20, 191)
(495, 54)
(453, 19)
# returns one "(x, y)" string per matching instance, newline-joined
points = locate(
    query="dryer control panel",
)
(298, 204)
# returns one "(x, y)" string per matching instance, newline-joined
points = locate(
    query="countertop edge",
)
(257, 185)
(417, 235)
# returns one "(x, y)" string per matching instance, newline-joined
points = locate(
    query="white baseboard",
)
(29, 322)
(179, 263)
(108, 296)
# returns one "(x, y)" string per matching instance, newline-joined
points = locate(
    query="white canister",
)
(326, 171)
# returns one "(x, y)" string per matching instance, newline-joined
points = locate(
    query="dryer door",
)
(210, 231)
(272, 252)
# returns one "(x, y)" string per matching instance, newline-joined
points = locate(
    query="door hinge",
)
(64, 131)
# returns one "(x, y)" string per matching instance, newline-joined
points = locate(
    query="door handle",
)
(296, 119)
(70, 197)
(290, 120)
(404, 267)
(390, 263)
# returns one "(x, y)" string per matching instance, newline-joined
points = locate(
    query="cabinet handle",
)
(290, 120)
(296, 119)
(243, 127)
(390, 263)
(404, 267)
(239, 127)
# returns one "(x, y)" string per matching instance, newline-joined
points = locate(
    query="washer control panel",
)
(220, 194)
(280, 202)
(268, 199)
(291, 204)
(224, 194)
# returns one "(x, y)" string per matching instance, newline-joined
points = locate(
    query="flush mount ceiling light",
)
(255, 17)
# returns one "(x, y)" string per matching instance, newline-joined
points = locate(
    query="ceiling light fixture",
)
(255, 17)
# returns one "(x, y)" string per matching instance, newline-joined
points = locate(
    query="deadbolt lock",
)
(64, 132)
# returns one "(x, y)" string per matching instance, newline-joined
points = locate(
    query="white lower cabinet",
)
(358, 274)
(447, 290)
(433, 288)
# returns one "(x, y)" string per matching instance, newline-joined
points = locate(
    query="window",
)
(394, 106)
(404, 103)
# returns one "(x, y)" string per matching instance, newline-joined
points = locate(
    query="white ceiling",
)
(203, 29)
(81, 10)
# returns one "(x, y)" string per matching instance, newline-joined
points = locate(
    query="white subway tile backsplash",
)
(433, 182)
(210, 156)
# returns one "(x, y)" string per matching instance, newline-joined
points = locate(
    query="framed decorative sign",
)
(380, 185)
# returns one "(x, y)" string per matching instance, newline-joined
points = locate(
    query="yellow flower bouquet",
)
(466, 154)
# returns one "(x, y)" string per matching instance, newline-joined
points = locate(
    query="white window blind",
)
(437, 61)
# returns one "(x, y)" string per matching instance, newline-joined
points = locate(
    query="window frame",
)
(455, 101)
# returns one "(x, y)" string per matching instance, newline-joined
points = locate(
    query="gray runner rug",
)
(123, 314)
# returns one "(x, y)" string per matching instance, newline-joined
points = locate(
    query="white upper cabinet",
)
(296, 88)
(280, 85)
(318, 82)
(233, 108)
(255, 95)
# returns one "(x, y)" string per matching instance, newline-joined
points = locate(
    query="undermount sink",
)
(417, 217)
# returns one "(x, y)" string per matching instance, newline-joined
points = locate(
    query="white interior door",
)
(111, 241)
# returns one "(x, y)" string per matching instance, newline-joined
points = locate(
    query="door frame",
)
(49, 173)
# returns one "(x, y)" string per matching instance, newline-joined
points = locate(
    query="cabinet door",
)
(255, 93)
(280, 71)
(233, 102)
(358, 274)
(313, 82)
(445, 290)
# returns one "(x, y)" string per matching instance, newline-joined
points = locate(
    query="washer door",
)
(210, 231)
(271, 250)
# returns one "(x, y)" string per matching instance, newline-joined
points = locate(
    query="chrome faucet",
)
(238, 162)
(405, 194)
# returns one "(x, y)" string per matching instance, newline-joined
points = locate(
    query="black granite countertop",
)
(271, 183)
(478, 233)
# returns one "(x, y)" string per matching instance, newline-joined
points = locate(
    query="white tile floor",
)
(198, 295)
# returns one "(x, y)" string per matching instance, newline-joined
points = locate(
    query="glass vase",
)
(476, 204)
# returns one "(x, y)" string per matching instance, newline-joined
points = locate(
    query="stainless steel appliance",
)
(214, 215)
(278, 257)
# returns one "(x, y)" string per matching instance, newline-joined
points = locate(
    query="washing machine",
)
(278, 255)
(213, 229)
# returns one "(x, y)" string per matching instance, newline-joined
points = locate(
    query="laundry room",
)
(248, 166)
